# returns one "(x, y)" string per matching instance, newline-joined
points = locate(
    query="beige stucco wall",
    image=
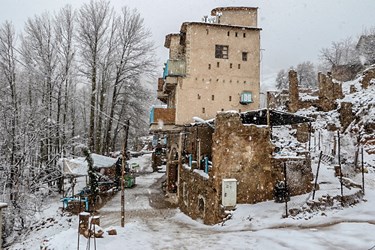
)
(239, 17)
(222, 81)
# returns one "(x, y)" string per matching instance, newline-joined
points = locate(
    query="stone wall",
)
(329, 92)
(243, 153)
(299, 173)
(303, 132)
(344, 73)
(346, 114)
(197, 197)
(293, 104)
(368, 75)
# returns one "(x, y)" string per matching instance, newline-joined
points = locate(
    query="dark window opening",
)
(236, 34)
(230, 98)
(244, 56)
(203, 110)
(239, 66)
(228, 33)
(213, 97)
(199, 96)
(221, 51)
(209, 66)
(201, 205)
(244, 35)
(218, 64)
(231, 65)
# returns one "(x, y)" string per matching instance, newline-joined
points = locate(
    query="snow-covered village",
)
(187, 124)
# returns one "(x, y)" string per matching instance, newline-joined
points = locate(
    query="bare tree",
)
(134, 57)
(340, 53)
(307, 76)
(8, 71)
(282, 79)
(93, 19)
(64, 28)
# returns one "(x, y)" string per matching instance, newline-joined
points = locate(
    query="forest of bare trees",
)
(67, 79)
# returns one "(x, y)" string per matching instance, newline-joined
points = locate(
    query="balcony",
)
(162, 119)
(174, 68)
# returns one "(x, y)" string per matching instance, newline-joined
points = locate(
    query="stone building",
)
(213, 66)
(235, 146)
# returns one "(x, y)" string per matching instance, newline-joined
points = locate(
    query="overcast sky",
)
(293, 30)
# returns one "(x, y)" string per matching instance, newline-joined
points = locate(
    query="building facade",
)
(213, 66)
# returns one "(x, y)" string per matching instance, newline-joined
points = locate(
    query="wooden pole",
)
(199, 153)
(286, 191)
(268, 110)
(363, 173)
(179, 163)
(309, 136)
(319, 140)
(317, 173)
(339, 161)
(125, 145)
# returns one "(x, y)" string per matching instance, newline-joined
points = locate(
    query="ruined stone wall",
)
(368, 75)
(329, 92)
(299, 174)
(303, 132)
(345, 73)
(293, 92)
(175, 48)
(346, 114)
(242, 152)
(197, 197)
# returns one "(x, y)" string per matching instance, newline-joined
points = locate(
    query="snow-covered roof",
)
(78, 166)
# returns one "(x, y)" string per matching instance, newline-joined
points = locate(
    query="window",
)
(230, 98)
(239, 66)
(203, 110)
(213, 97)
(244, 56)
(209, 66)
(222, 109)
(218, 64)
(246, 97)
(236, 34)
(228, 33)
(244, 35)
(231, 65)
(221, 51)
(199, 96)
(207, 31)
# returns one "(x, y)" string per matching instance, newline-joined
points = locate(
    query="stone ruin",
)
(329, 91)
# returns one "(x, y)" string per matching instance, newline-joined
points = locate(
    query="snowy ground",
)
(152, 225)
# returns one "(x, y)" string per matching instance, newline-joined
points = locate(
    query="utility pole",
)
(124, 149)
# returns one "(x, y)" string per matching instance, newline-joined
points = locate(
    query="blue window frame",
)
(246, 97)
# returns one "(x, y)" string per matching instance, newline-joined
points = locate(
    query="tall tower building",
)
(213, 65)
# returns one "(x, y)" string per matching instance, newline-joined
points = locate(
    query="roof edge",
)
(218, 9)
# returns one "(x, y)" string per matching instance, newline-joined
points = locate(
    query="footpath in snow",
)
(152, 224)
